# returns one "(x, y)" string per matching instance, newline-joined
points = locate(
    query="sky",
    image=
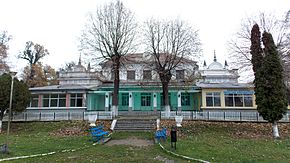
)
(57, 24)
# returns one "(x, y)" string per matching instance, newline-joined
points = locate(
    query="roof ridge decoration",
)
(214, 56)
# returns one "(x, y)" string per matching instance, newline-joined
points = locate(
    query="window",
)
(125, 99)
(179, 74)
(34, 101)
(213, 99)
(131, 75)
(248, 100)
(229, 100)
(162, 100)
(185, 99)
(145, 99)
(147, 75)
(62, 100)
(238, 100)
(76, 100)
(45, 100)
(54, 100)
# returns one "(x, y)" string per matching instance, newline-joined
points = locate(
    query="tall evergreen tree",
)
(20, 99)
(270, 89)
(275, 103)
(256, 50)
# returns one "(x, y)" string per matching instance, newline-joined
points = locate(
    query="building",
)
(213, 87)
(140, 87)
(221, 90)
(69, 95)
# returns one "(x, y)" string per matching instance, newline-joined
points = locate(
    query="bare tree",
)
(109, 35)
(240, 46)
(4, 39)
(169, 42)
(33, 53)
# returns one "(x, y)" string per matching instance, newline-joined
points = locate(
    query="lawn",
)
(44, 137)
(211, 141)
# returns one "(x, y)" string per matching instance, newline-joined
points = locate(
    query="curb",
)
(182, 156)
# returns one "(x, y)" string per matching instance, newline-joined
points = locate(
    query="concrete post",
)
(155, 101)
(130, 101)
(107, 100)
(179, 101)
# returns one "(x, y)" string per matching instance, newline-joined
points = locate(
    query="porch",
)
(144, 100)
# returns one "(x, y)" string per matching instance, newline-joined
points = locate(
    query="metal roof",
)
(225, 85)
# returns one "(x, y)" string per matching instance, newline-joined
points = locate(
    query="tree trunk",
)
(165, 77)
(115, 100)
(275, 130)
(0, 126)
(1, 119)
(165, 96)
(31, 76)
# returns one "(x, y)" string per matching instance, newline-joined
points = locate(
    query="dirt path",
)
(133, 141)
(137, 142)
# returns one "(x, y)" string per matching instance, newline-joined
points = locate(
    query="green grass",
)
(36, 138)
(216, 143)
(211, 142)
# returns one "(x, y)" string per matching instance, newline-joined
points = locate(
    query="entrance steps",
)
(136, 121)
(135, 125)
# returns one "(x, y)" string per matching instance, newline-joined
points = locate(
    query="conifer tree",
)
(270, 89)
(274, 104)
(20, 99)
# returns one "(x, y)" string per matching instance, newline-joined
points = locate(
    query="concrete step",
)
(135, 125)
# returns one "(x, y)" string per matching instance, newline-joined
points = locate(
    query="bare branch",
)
(240, 46)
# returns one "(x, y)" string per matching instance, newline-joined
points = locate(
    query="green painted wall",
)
(96, 102)
(123, 107)
(100, 102)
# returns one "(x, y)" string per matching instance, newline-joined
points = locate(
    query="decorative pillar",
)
(130, 101)
(155, 101)
(179, 101)
(107, 100)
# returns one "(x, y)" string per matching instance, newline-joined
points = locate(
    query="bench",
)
(97, 128)
(98, 134)
(160, 135)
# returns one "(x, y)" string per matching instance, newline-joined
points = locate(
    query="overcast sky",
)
(57, 24)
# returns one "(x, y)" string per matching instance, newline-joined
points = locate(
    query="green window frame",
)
(145, 99)
(125, 99)
(185, 99)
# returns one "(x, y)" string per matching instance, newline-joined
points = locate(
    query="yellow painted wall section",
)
(204, 91)
(221, 91)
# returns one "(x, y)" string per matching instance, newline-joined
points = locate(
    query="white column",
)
(107, 100)
(179, 100)
(155, 101)
(130, 101)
